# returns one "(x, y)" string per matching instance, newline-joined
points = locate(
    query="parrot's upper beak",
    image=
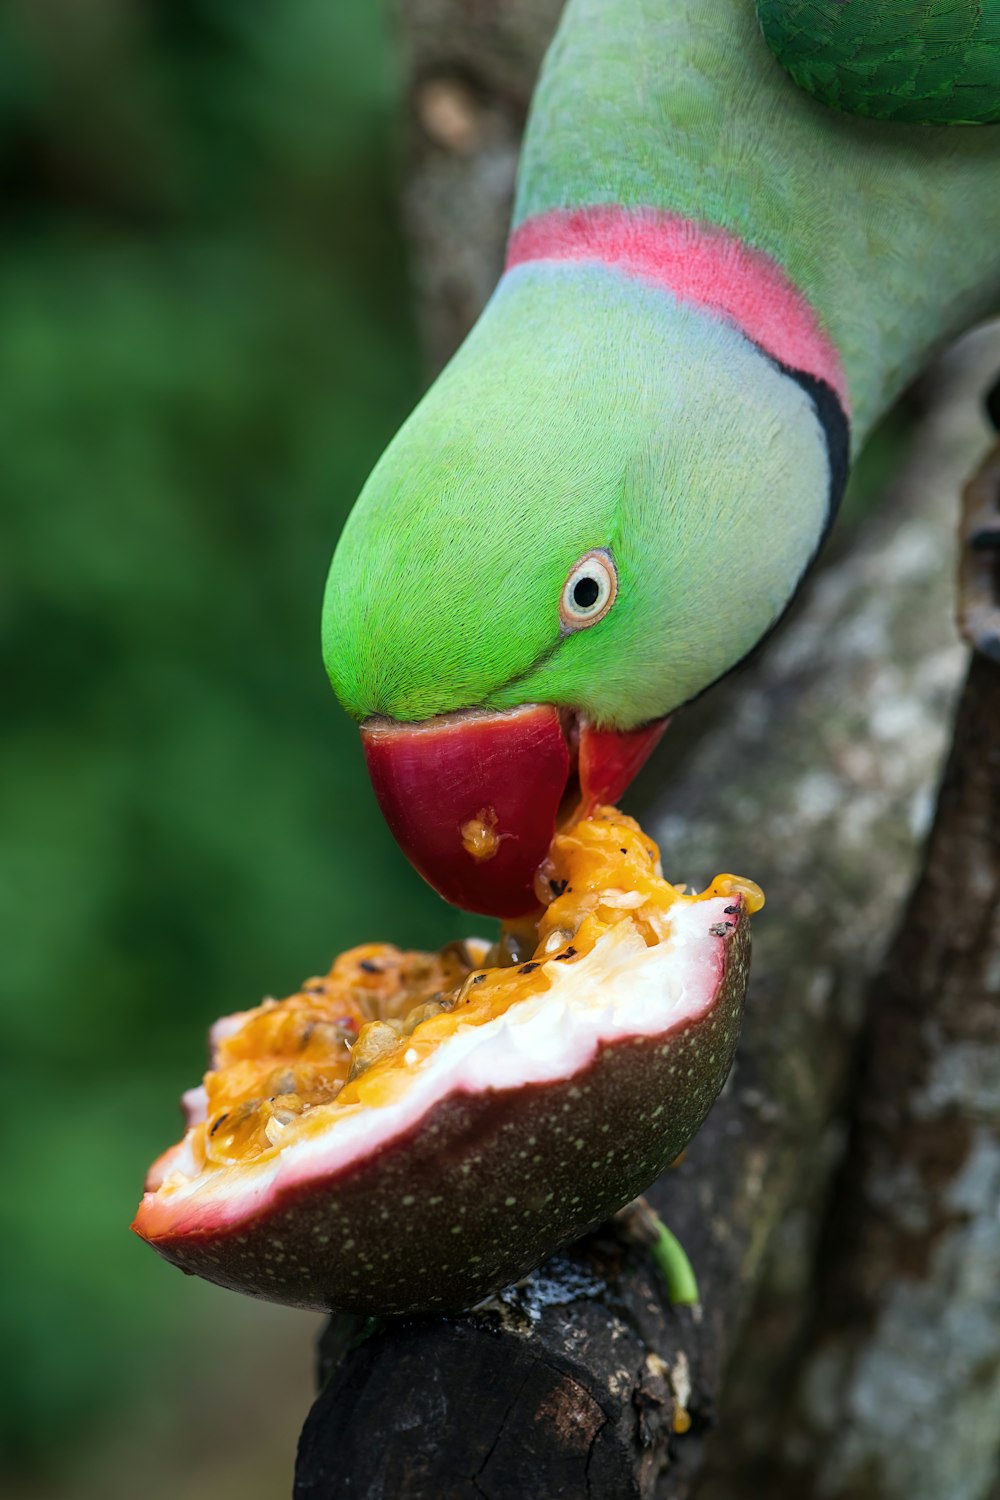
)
(473, 798)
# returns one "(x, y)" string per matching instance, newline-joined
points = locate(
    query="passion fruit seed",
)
(274, 1127)
(227, 1135)
(330, 1036)
(435, 1007)
(283, 1082)
(557, 939)
(512, 949)
(374, 1041)
(468, 953)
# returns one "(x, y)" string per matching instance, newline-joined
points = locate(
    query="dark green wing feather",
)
(933, 62)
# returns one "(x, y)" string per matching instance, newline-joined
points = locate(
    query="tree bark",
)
(469, 69)
(896, 1394)
(813, 771)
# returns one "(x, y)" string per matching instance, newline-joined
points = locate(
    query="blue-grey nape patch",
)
(836, 429)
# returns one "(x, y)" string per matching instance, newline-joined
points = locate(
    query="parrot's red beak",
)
(473, 798)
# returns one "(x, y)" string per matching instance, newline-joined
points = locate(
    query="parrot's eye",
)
(589, 591)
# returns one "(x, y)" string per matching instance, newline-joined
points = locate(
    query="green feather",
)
(913, 61)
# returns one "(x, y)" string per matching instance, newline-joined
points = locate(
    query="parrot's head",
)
(601, 505)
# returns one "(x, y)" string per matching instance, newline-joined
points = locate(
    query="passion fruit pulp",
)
(413, 1131)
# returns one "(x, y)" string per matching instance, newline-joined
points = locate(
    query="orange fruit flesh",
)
(352, 1037)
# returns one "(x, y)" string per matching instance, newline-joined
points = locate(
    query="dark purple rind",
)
(487, 1184)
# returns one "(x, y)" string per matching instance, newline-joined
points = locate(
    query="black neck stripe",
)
(832, 419)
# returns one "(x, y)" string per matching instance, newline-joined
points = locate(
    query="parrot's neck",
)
(842, 228)
(698, 264)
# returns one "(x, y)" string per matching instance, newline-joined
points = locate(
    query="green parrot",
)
(717, 280)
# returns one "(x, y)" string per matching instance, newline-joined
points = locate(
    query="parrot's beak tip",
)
(473, 798)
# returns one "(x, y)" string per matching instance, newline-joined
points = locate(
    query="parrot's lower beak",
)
(473, 798)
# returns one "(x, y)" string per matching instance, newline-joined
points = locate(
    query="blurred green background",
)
(205, 339)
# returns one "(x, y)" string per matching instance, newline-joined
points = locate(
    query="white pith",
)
(621, 988)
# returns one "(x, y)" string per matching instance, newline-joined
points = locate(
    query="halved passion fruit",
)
(413, 1131)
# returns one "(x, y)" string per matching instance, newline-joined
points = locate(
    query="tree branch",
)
(898, 1386)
